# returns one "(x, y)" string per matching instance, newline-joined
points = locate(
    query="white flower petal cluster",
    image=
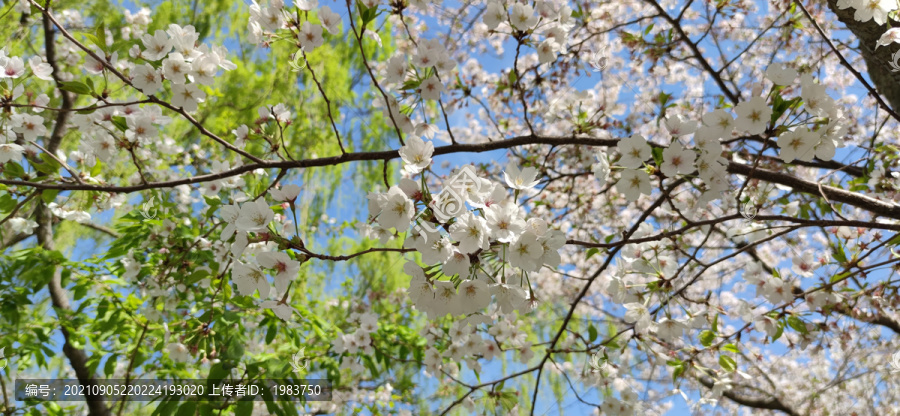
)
(495, 228)
(416, 154)
(869, 9)
(520, 179)
(781, 74)
(753, 115)
(803, 143)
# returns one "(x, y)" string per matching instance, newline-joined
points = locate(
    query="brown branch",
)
(102, 228)
(771, 403)
(77, 357)
(696, 51)
(362, 53)
(855, 199)
(350, 256)
(134, 353)
(713, 221)
(327, 102)
(839, 195)
(13, 240)
(584, 290)
(880, 319)
(325, 161)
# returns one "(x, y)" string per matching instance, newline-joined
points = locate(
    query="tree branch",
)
(771, 403)
(77, 357)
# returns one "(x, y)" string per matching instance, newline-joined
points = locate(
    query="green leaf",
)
(196, 277)
(838, 253)
(235, 350)
(101, 37)
(79, 292)
(509, 399)
(677, 368)
(838, 277)
(780, 106)
(512, 78)
(270, 333)
(797, 324)
(13, 170)
(658, 156)
(98, 167)
(50, 165)
(166, 407)
(110, 367)
(76, 87)
(592, 333)
(188, 408)
(707, 337)
(663, 100)
(243, 408)
(367, 361)
(48, 195)
(367, 14)
(92, 38)
(779, 331)
(591, 251)
(715, 323)
(120, 123)
(730, 348)
(728, 364)
(7, 203)
(894, 240)
(217, 372)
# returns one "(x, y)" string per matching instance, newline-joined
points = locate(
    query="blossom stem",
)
(286, 291)
(296, 225)
(503, 264)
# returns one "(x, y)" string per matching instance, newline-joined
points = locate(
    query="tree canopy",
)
(634, 207)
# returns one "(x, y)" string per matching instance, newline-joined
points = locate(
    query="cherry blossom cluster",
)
(266, 20)
(30, 126)
(464, 343)
(433, 59)
(462, 248)
(754, 117)
(252, 260)
(554, 21)
(181, 62)
(358, 341)
(172, 55)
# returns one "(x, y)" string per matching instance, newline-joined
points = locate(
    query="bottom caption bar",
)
(154, 389)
